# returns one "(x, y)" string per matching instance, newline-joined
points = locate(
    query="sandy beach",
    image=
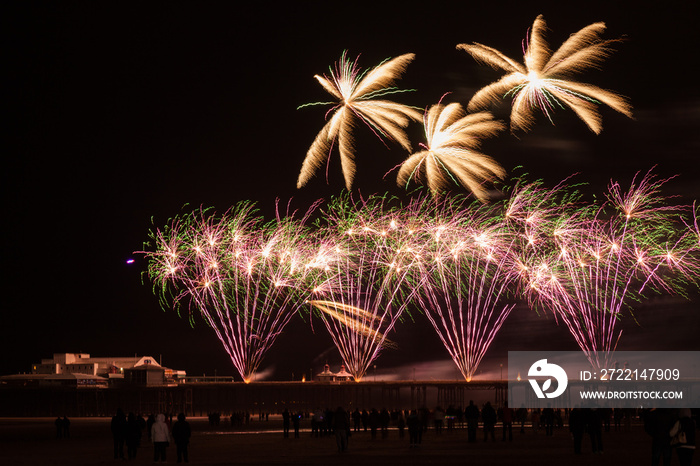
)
(32, 441)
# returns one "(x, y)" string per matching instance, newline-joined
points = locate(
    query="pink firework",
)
(241, 276)
(468, 268)
(360, 294)
(601, 259)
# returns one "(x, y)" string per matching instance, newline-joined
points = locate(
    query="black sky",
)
(120, 112)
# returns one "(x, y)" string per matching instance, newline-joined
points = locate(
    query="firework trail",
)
(450, 154)
(600, 260)
(469, 269)
(544, 80)
(357, 100)
(362, 295)
(242, 276)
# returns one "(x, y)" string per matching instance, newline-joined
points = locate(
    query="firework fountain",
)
(241, 275)
(469, 269)
(597, 261)
(363, 292)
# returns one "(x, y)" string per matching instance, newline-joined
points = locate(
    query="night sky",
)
(120, 113)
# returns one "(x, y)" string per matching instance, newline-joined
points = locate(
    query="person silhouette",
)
(373, 423)
(316, 420)
(341, 427)
(118, 427)
(521, 416)
(356, 419)
(438, 419)
(415, 429)
(687, 426)
(548, 419)
(181, 436)
(133, 436)
(471, 414)
(658, 424)
(285, 422)
(595, 429)
(149, 424)
(488, 415)
(296, 419)
(536, 419)
(507, 419)
(59, 427)
(65, 426)
(384, 420)
(577, 426)
(401, 422)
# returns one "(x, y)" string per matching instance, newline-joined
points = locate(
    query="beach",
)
(32, 441)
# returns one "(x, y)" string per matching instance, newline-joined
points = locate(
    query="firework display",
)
(597, 261)
(450, 153)
(356, 95)
(468, 270)
(363, 296)
(364, 263)
(544, 80)
(242, 276)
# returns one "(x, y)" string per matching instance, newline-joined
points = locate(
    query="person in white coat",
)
(160, 436)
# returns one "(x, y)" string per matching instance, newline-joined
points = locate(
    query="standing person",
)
(401, 423)
(595, 429)
(59, 427)
(373, 423)
(328, 421)
(424, 415)
(341, 427)
(471, 414)
(316, 420)
(149, 423)
(605, 417)
(384, 419)
(450, 416)
(141, 421)
(548, 419)
(181, 436)
(285, 423)
(118, 427)
(536, 420)
(488, 415)
(521, 416)
(438, 419)
(415, 429)
(507, 418)
(133, 436)
(685, 449)
(65, 423)
(577, 426)
(627, 418)
(160, 436)
(618, 413)
(658, 424)
(296, 419)
(356, 419)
